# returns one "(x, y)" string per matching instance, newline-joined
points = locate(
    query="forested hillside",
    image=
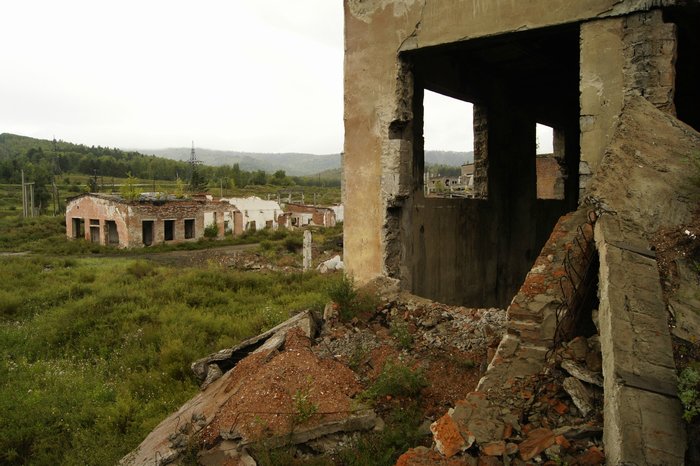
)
(42, 159)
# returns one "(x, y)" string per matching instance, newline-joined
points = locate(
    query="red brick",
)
(536, 442)
(562, 442)
(494, 448)
(592, 457)
(448, 440)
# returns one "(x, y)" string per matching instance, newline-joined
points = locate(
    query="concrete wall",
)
(620, 57)
(388, 223)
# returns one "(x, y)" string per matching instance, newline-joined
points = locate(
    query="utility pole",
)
(24, 198)
(31, 191)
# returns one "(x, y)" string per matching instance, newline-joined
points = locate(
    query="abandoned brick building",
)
(111, 220)
(617, 80)
(302, 215)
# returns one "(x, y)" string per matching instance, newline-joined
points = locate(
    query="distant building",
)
(302, 215)
(339, 212)
(467, 177)
(154, 218)
(256, 213)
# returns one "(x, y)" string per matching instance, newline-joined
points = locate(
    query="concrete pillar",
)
(601, 62)
(307, 250)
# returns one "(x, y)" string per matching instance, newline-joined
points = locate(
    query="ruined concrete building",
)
(257, 213)
(568, 65)
(617, 80)
(301, 215)
(112, 220)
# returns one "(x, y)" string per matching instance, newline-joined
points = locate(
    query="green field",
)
(96, 349)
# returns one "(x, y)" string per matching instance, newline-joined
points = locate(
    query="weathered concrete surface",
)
(646, 175)
(650, 152)
(642, 413)
(601, 89)
(621, 57)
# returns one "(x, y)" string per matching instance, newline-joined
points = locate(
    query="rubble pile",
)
(300, 383)
(554, 417)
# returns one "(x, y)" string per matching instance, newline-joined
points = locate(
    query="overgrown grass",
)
(350, 301)
(396, 379)
(95, 353)
(47, 235)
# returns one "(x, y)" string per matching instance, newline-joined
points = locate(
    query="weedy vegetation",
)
(95, 351)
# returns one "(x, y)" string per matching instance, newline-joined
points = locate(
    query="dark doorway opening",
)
(169, 230)
(94, 231)
(112, 232)
(189, 228)
(147, 232)
(78, 228)
(687, 92)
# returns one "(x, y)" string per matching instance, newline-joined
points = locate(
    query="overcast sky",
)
(247, 75)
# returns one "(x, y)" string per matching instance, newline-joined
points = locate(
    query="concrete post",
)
(307, 250)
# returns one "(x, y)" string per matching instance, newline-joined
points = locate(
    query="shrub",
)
(343, 293)
(399, 330)
(140, 269)
(689, 392)
(396, 379)
(211, 231)
(402, 432)
(303, 406)
(293, 243)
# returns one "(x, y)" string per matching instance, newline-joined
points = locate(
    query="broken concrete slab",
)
(226, 359)
(581, 373)
(579, 395)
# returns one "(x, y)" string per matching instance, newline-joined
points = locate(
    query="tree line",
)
(41, 160)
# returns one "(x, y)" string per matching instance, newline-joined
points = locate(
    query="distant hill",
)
(296, 164)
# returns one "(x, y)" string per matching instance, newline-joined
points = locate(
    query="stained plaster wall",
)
(380, 172)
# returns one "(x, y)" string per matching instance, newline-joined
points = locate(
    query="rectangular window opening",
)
(550, 163)
(169, 230)
(449, 147)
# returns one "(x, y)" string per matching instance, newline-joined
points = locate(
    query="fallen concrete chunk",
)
(579, 394)
(334, 263)
(582, 373)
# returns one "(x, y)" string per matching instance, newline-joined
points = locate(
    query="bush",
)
(343, 293)
(689, 392)
(396, 379)
(211, 231)
(399, 330)
(293, 243)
